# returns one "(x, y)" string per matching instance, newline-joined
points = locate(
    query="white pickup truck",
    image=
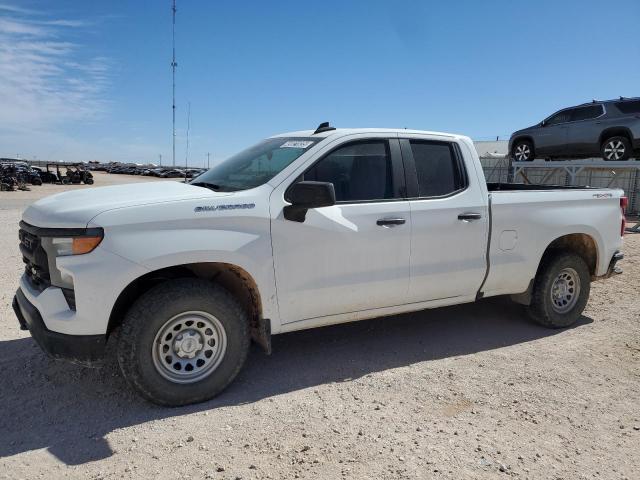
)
(302, 230)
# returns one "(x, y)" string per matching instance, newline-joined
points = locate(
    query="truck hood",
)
(76, 209)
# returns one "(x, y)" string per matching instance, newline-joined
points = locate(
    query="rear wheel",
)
(183, 342)
(523, 151)
(616, 149)
(560, 291)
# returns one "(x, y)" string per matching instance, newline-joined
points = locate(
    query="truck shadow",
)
(69, 410)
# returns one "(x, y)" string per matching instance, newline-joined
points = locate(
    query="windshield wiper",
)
(209, 185)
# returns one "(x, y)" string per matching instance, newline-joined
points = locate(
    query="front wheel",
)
(560, 291)
(183, 342)
(523, 151)
(616, 149)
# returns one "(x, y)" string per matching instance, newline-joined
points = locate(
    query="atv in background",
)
(46, 176)
(74, 174)
(77, 174)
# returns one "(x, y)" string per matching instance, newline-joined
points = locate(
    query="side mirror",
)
(306, 195)
(543, 123)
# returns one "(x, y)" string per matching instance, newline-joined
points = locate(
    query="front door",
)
(550, 140)
(352, 256)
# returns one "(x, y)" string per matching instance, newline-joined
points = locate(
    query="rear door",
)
(449, 221)
(583, 130)
(354, 255)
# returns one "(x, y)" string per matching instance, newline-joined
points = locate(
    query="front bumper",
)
(88, 350)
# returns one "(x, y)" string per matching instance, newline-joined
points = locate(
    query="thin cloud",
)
(43, 81)
(13, 9)
(64, 23)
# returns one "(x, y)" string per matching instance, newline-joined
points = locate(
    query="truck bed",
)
(526, 218)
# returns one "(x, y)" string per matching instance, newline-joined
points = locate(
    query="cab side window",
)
(586, 113)
(359, 171)
(629, 107)
(438, 168)
(560, 117)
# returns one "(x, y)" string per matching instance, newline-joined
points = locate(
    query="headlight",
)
(64, 246)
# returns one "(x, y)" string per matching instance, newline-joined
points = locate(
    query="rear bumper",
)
(88, 350)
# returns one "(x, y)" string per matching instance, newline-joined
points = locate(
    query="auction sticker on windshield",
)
(296, 144)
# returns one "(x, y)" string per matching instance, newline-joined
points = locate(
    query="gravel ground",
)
(468, 392)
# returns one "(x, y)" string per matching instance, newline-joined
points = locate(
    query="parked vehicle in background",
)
(349, 223)
(608, 129)
(172, 173)
(77, 174)
(16, 174)
(27, 174)
(45, 175)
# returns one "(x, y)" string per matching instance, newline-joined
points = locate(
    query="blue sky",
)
(92, 80)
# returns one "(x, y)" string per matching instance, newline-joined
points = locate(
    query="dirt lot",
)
(467, 392)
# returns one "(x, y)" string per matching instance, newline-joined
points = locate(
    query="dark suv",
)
(609, 129)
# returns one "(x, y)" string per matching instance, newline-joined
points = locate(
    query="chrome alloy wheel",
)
(522, 152)
(614, 150)
(189, 347)
(565, 290)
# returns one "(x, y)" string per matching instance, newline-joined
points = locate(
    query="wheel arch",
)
(615, 132)
(582, 244)
(233, 278)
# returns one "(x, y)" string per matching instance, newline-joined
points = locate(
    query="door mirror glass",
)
(305, 195)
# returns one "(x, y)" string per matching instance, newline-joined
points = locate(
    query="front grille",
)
(35, 260)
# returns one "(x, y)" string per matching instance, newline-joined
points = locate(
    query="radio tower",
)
(173, 70)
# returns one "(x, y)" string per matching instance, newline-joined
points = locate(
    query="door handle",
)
(390, 222)
(469, 216)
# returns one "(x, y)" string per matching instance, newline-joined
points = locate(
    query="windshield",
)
(256, 165)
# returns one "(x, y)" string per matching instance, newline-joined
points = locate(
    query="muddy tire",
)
(183, 342)
(560, 291)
